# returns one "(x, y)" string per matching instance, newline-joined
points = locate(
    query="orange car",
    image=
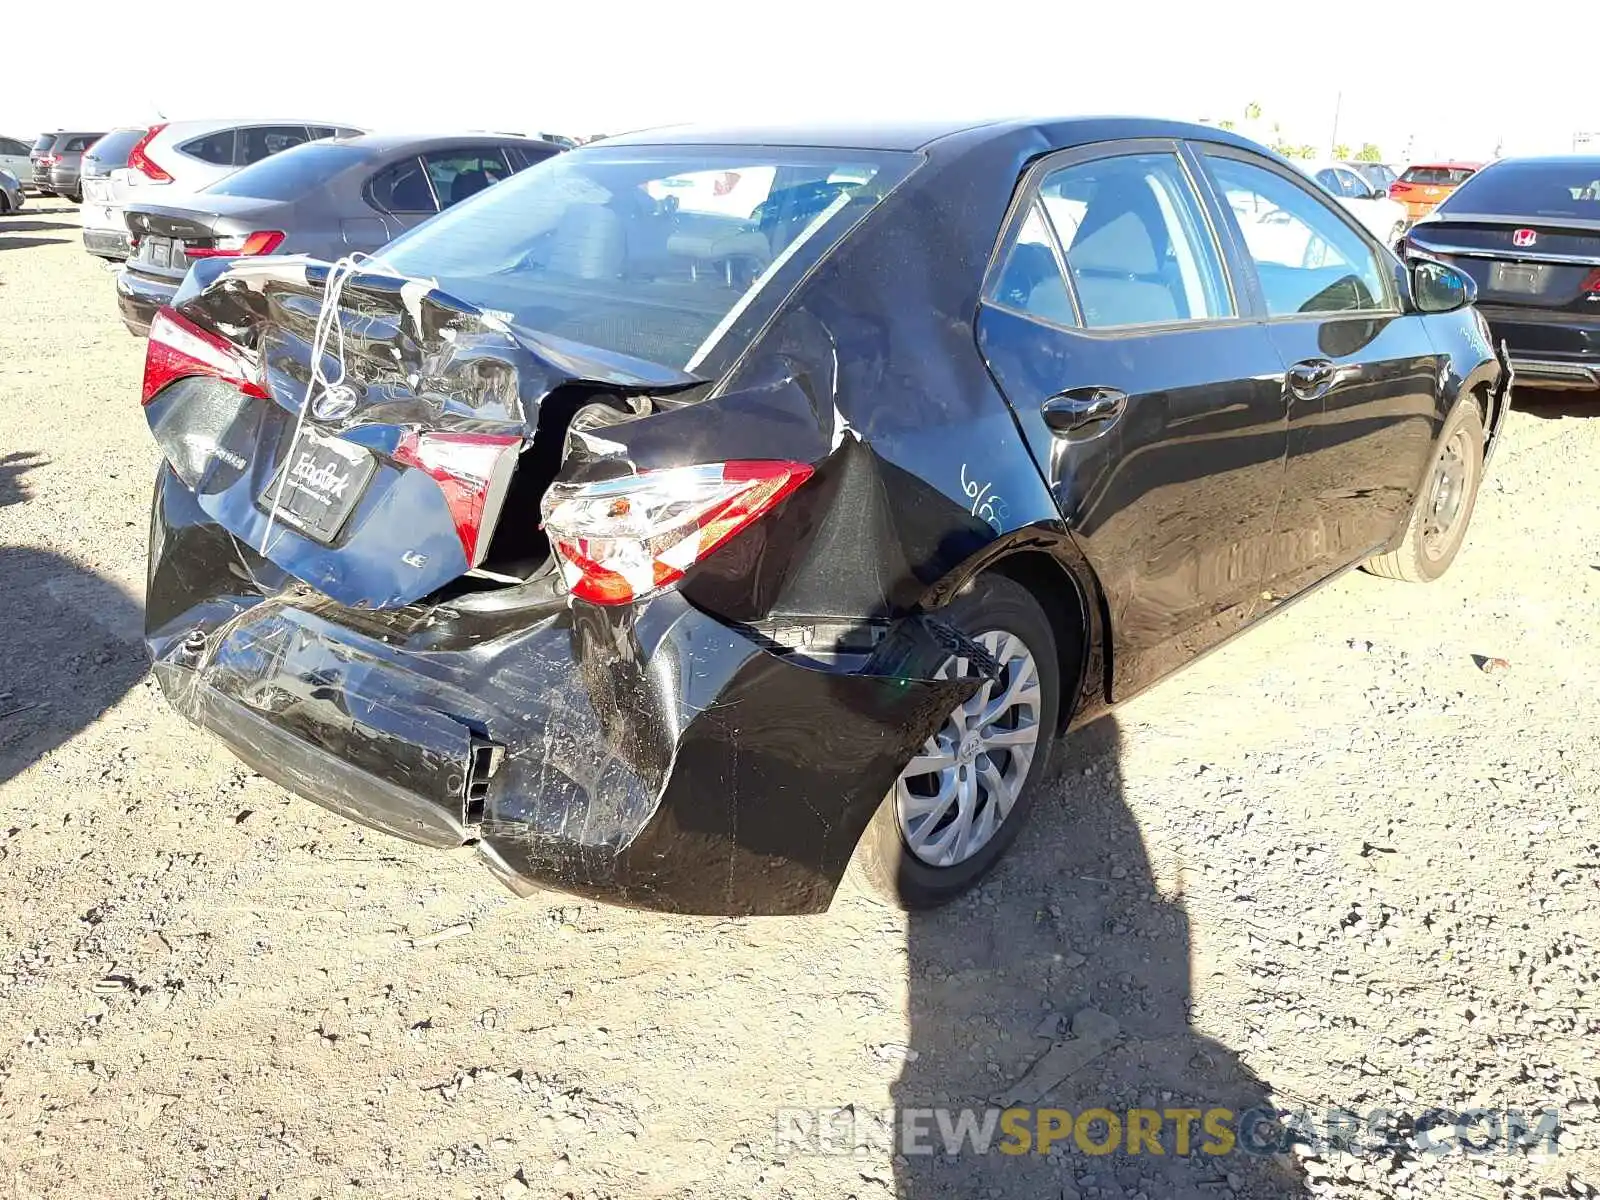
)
(1424, 186)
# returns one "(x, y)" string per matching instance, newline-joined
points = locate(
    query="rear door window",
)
(1134, 240)
(1308, 258)
(402, 187)
(257, 142)
(81, 143)
(457, 174)
(7, 146)
(215, 147)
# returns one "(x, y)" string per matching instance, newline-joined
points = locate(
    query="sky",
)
(606, 67)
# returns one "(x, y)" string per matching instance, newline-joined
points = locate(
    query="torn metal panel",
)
(651, 754)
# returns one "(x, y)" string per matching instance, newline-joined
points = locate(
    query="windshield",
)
(1437, 176)
(46, 140)
(650, 251)
(112, 150)
(1543, 189)
(291, 173)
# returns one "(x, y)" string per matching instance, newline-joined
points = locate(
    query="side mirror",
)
(1436, 288)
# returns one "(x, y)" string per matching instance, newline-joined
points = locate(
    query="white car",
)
(14, 157)
(1386, 219)
(105, 234)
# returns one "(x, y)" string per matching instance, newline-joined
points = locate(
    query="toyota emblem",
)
(334, 402)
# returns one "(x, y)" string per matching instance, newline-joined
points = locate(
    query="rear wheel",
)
(1444, 508)
(961, 801)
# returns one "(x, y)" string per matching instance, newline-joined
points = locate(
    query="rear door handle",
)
(1084, 412)
(1310, 379)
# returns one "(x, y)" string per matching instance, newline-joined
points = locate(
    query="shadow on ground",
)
(24, 243)
(27, 226)
(70, 645)
(1555, 403)
(1072, 937)
(14, 489)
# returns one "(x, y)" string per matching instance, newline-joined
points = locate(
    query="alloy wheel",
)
(953, 797)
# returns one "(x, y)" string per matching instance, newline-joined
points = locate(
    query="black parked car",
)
(672, 517)
(324, 198)
(1528, 232)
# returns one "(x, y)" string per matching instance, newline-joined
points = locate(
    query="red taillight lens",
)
(473, 470)
(262, 241)
(141, 162)
(1591, 283)
(178, 348)
(47, 160)
(621, 539)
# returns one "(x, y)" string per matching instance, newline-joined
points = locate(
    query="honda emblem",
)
(1524, 237)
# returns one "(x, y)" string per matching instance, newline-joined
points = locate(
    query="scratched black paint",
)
(720, 747)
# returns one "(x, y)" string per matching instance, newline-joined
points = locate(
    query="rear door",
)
(1150, 396)
(1360, 375)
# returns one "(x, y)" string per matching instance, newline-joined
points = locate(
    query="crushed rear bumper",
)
(650, 755)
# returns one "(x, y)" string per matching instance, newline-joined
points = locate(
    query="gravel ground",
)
(1335, 864)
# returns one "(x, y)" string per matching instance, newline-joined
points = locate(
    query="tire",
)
(1426, 551)
(887, 864)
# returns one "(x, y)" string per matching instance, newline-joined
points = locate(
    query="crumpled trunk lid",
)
(389, 485)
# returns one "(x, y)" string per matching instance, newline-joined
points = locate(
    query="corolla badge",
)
(335, 401)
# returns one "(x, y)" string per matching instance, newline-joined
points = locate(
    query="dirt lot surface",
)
(1335, 864)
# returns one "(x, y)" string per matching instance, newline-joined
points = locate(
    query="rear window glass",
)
(46, 140)
(1569, 188)
(112, 150)
(645, 251)
(289, 175)
(1437, 176)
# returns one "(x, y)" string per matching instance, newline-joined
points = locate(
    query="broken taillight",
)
(141, 161)
(178, 348)
(621, 539)
(473, 470)
(242, 245)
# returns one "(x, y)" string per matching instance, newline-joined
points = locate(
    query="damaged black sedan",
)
(696, 507)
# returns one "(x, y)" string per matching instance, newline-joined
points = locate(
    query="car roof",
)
(1553, 160)
(921, 134)
(382, 143)
(1446, 165)
(202, 125)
